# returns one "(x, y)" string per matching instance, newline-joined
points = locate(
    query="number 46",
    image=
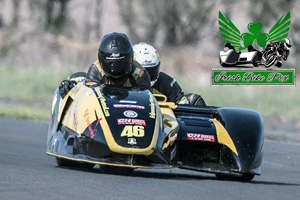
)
(133, 131)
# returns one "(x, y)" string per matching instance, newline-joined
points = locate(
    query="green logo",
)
(253, 77)
(232, 35)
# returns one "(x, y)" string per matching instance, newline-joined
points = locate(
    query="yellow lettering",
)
(133, 131)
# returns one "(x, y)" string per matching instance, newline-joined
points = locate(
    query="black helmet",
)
(115, 55)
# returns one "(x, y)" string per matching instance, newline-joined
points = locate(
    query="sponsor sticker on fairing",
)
(130, 114)
(200, 137)
(173, 152)
(127, 101)
(128, 106)
(131, 121)
(173, 138)
(103, 102)
(152, 106)
(132, 141)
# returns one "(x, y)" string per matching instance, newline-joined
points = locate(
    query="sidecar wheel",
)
(107, 169)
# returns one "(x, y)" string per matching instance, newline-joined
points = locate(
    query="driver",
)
(162, 83)
(114, 66)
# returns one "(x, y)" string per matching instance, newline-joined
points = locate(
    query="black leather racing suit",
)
(168, 86)
(138, 78)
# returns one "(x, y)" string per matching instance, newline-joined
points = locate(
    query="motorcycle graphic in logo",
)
(277, 49)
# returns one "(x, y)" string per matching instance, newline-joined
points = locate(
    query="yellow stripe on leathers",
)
(82, 113)
(223, 136)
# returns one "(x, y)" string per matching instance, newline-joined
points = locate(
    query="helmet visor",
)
(153, 72)
(116, 65)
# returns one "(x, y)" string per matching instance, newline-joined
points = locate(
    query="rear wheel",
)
(107, 169)
(255, 64)
(61, 162)
(247, 177)
(243, 177)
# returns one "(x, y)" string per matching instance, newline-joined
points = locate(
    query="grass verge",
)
(23, 112)
(35, 87)
(26, 92)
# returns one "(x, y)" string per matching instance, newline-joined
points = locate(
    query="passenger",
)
(162, 83)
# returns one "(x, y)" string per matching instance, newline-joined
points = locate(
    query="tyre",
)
(270, 61)
(246, 177)
(255, 63)
(107, 169)
(242, 178)
(61, 162)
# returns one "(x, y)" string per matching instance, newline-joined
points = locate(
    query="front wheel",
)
(107, 169)
(61, 162)
(242, 178)
(270, 61)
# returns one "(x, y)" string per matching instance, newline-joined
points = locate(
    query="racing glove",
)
(195, 99)
(65, 86)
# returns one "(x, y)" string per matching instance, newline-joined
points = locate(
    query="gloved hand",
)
(65, 86)
(195, 99)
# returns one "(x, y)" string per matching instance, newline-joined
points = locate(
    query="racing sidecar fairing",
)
(131, 128)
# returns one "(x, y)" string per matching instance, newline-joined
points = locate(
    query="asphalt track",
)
(26, 172)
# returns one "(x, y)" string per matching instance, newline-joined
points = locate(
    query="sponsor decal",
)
(94, 131)
(127, 101)
(67, 118)
(86, 116)
(115, 56)
(130, 114)
(103, 102)
(152, 106)
(75, 117)
(200, 137)
(133, 131)
(173, 152)
(173, 138)
(132, 141)
(132, 121)
(128, 106)
(148, 63)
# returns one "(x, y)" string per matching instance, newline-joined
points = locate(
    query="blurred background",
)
(42, 42)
